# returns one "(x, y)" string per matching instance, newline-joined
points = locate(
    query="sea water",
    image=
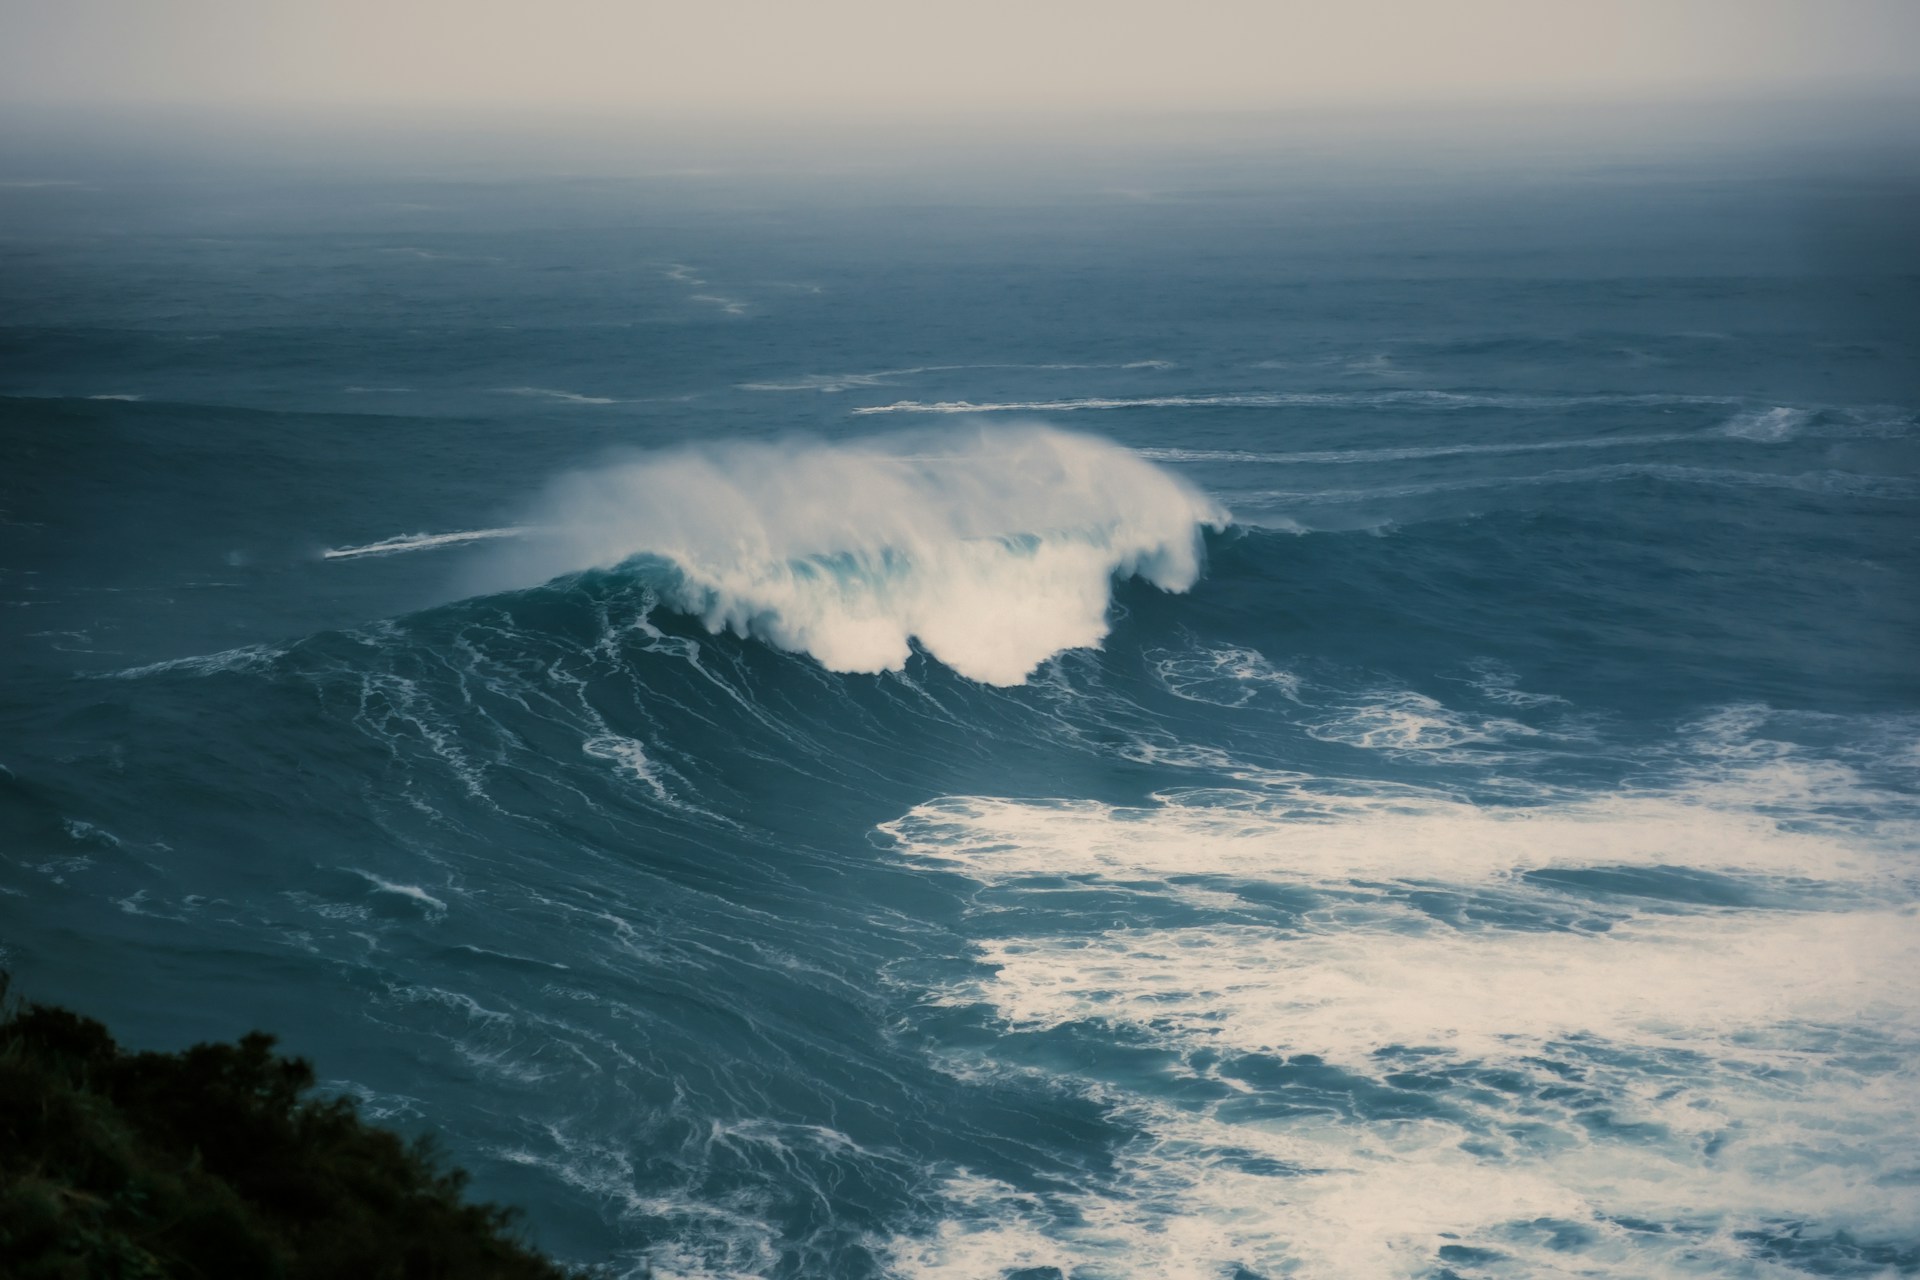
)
(1213, 712)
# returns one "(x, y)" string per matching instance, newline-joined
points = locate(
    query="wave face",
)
(994, 548)
(765, 849)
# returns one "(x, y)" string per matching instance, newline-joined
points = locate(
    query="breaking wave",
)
(993, 548)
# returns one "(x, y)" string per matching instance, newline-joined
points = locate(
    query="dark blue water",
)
(1222, 715)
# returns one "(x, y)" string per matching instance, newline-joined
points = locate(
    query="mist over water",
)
(1239, 702)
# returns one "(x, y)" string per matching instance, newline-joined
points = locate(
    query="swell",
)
(1106, 908)
(880, 583)
(1828, 483)
(1406, 453)
(592, 742)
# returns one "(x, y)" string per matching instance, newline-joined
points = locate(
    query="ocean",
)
(1243, 710)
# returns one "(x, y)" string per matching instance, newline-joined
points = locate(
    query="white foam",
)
(394, 710)
(1401, 720)
(1851, 484)
(1199, 1196)
(1705, 1070)
(834, 382)
(1443, 400)
(1077, 405)
(631, 756)
(1359, 987)
(413, 891)
(993, 547)
(1294, 832)
(732, 306)
(82, 832)
(824, 382)
(1497, 682)
(1705, 1042)
(1405, 454)
(1837, 483)
(246, 658)
(420, 542)
(1767, 425)
(1224, 675)
(548, 393)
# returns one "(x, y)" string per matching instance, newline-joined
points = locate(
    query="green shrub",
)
(216, 1162)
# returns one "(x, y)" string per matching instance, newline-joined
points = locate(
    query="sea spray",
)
(993, 547)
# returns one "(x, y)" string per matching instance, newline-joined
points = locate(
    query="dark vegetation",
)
(215, 1162)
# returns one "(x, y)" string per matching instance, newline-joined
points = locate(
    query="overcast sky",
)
(912, 56)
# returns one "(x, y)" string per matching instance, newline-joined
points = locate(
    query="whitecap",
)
(1767, 425)
(992, 548)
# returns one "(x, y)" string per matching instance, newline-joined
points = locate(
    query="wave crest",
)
(994, 547)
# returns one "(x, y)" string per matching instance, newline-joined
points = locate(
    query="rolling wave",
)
(993, 548)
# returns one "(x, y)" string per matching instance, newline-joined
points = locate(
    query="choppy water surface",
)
(1255, 728)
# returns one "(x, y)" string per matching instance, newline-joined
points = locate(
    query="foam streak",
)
(419, 542)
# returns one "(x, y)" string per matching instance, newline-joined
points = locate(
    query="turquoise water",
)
(1230, 717)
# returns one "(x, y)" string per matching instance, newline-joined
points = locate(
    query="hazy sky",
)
(758, 56)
